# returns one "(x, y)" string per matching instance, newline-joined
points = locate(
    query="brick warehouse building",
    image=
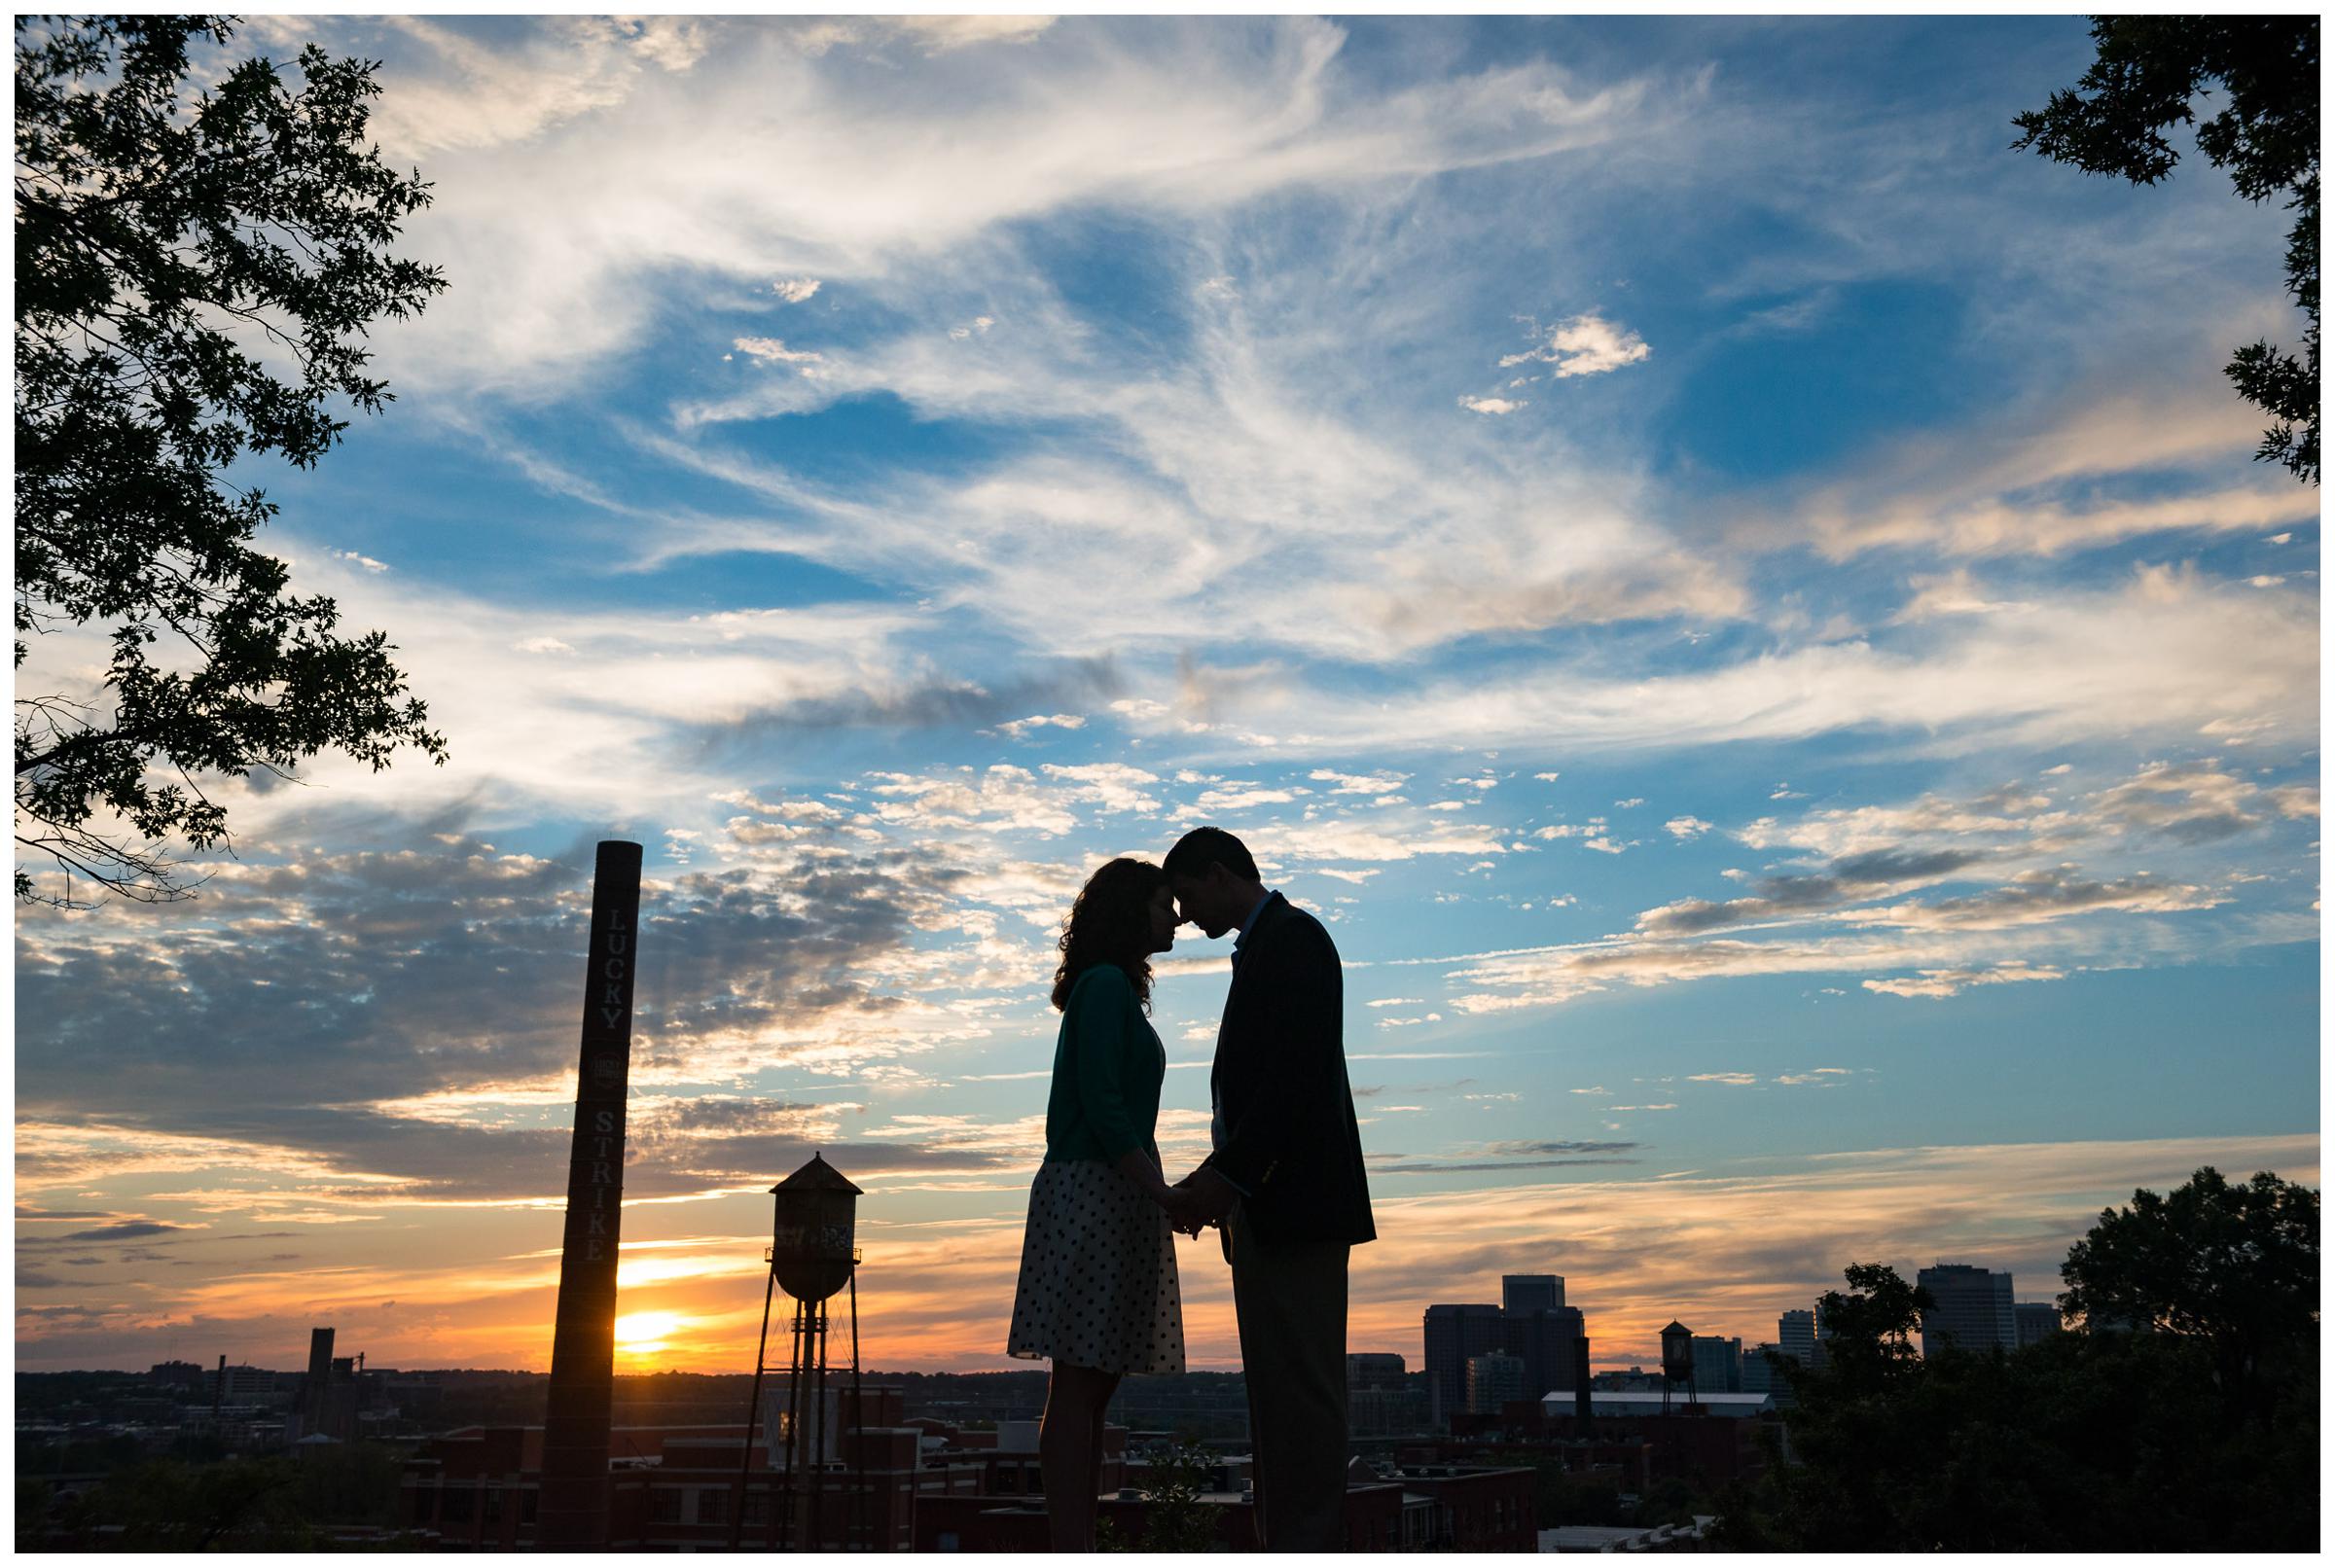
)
(1433, 1506)
(672, 1488)
(929, 1487)
(1706, 1449)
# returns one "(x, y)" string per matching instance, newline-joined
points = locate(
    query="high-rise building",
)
(2034, 1319)
(1757, 1376)
(1521, 1294)
(1718, 1364)
(1380, 1400)
(1973, 1310)
(1544, 1341)
(1455, 1331)
(1493, 1379)
(1796, 1336)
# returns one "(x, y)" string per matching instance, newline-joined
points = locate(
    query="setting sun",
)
(644, 1334)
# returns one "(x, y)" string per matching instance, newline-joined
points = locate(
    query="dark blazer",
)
(1290, 1139)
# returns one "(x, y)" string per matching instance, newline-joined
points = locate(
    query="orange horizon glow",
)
(1723, 1254)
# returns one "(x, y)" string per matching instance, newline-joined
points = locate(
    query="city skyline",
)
(1742, 602)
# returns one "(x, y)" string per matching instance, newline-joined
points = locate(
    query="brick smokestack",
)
(573, 1515)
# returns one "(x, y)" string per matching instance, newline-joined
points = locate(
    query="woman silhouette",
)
(1097, 1290)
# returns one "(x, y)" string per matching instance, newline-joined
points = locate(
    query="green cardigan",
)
(1107, 1068)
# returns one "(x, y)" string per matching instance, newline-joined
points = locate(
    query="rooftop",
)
(1648, 1401)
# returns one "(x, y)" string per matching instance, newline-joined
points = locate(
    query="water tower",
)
(812, 1255)
(1678, 1363)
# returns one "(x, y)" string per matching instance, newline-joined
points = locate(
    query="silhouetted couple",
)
(1284, 1185)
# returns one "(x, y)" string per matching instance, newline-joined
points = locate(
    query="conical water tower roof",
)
(817, 1173)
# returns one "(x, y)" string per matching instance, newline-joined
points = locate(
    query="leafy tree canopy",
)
(2201, 1436)
(2108, 1443)
(168, 237)
(2233, 1268)
(1174, 1519)
(1870, 1327)
(274, 1504)
(2149, 71)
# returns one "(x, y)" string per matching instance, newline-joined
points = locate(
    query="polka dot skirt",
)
(1097, 1286)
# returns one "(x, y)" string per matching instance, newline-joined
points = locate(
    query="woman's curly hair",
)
(1111, 924)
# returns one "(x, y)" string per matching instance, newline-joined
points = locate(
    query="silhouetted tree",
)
(252, 1505)
(1870, 1327)
(2108, 1442)
(1561, 1497)
(2234, 1267)
(169, 235)
(2090, 1441)
(165, 1506)
(1174, 1519)
(2149, 72)
(1847, 1439)
(1670, 1500)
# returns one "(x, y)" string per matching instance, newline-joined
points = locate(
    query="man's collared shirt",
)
(1248, 923)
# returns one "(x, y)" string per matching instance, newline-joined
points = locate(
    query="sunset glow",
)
(1780, 673)
(645, 1334)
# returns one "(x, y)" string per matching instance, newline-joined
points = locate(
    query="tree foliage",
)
(1174, 1519)
(2108, 1443)
(2096, 1439)
(272, 1504)
(1870, 1327)
(196, 270)
(2148, 73)
(2235, 1269)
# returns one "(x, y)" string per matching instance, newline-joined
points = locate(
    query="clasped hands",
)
(1197, 1201)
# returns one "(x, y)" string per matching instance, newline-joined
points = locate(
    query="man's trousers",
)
(1290, 1299)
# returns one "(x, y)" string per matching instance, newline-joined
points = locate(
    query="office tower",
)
(1493, 1379)
(1374, 1369)
(1756, 1375)
(2034, 1319)
(1543, 1341)
(1796, 1336)
(1521, 1294)
(1455, 1331)
(1973, 1310)
(1718, 1364)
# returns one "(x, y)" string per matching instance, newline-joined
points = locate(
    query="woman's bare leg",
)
(1102, 1402)
(1070, 1453)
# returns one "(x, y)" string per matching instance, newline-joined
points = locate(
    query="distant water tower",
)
(1678, 1363)
(812, 1255)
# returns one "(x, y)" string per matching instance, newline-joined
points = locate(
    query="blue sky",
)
(1743, 601)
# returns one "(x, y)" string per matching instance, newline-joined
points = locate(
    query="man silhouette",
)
(1286, 1182)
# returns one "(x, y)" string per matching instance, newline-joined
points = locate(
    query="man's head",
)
(1214, 880)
